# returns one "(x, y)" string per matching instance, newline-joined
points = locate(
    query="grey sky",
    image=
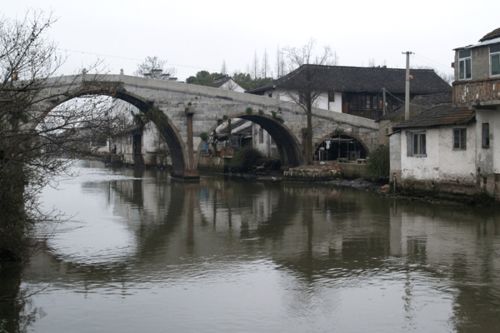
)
(195, 34)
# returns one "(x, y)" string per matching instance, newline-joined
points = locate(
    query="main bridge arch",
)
(164, 125)
(182, 112)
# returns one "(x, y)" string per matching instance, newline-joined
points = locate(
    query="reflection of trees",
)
(314, 235)
(15, 312)
(10, 306)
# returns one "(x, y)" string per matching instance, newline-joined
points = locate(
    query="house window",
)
(460, 138)
(368, 102)
(331, 96)
(261, 135)
(415, 144)
(464, 65)
(485, 135)
(495, 59)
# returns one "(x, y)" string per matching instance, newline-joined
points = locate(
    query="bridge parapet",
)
(166, 102)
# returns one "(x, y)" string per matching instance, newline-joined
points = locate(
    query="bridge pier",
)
(190, 173)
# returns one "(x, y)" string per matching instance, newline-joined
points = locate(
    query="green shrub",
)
(246, 159)
(378, 163)
(204, 136)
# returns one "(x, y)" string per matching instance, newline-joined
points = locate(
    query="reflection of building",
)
(306, 243)
(453, 147)
(235, 214)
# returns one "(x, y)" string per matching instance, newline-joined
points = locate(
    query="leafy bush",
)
(246, 160)
(204, 136)
(378, 163)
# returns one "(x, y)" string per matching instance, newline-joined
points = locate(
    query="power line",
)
(432, 61)
(130, 58)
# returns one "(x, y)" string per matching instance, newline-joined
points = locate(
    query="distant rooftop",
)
(358, 79)
(491, 35)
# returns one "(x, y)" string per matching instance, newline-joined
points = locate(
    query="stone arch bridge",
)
(183, 111)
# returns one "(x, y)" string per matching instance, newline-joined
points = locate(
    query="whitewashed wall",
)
(154, 149)
(395, 154)
(321, 102)
(488, 159)
(442, 162)
(233, 86)
(267, 147)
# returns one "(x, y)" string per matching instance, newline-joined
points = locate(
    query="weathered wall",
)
(153, 148)
(395, 156)
(321, 102)
(480, 63)
(442, 163)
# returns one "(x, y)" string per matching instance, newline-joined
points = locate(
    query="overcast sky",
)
(195, 34)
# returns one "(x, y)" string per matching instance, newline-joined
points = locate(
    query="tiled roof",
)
(440, 115)
(220, 81)
(491, 35)
(359, 79)
(418, 104)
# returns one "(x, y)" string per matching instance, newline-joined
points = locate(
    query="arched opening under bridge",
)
(342, 148)
(166, 128)
(262, 133)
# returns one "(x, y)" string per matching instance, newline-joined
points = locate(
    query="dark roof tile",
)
(440, 115)
(359, 79)
(491, 35)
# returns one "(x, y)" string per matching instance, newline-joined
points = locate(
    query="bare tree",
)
(31, 141)
(255, 66)
(304, 88)
(265, 64)
(223, 69)
(280, 63)
(154, 67)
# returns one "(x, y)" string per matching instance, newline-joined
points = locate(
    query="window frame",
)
(492, 54)
(464, 60)
(331, 96)
(461, 144)
(416, 143)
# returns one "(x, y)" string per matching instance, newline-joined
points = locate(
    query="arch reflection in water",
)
(272, 257)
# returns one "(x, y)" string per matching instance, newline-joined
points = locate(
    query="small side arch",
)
(340, 146)
(286, 143)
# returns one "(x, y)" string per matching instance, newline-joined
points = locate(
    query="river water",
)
(139, 252)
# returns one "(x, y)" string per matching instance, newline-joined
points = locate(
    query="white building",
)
(227, 83)
(355, 90)
(141, 146)
(436, 150)
(261, 140)
(454, 148)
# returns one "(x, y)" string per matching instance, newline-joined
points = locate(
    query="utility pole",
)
(407, 85)
(384, 100)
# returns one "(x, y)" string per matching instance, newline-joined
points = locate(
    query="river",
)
(139, 252)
